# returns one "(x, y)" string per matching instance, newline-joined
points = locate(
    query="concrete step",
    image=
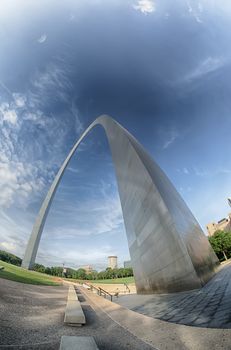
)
(74, 314)
(77, 343)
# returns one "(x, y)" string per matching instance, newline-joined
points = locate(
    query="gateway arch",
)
(169, 251)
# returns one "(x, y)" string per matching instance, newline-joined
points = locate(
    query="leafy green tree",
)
(81, 274)
(221, 243)
(10, 258)
(48, 270)
(39, 268)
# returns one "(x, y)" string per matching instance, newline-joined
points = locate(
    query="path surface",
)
(32, 316)
(207, 307)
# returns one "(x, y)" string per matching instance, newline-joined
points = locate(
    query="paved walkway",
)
(207, 307)
(31, 317)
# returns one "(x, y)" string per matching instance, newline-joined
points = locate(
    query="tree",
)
(81, 274)
(39, 268)
(221, 243)
(10, 258)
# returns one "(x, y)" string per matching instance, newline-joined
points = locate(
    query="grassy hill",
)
(18, 274)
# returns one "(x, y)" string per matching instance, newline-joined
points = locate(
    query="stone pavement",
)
(208, 307)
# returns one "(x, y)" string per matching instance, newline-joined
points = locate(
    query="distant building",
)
(223, 225)
(127, 264)
(87, 268)
(112, 262)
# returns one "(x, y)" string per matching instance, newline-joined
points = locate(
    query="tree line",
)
(81, 274)
(10, 258)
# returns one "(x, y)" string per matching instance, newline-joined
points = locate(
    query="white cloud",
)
(17, 182)
(72, 257)
(37, 118)
(51, 85)
(205, 67)
(20, 177)
(29, 154)
(72, 170)
(172, 136)
(13, 233)
(105, 215)
(96, 220)
(7, 114)
(10, 116)
(210, 173)
(8, 246)
(195, 9)
(20, 99)
(42, 39)
(145, 6)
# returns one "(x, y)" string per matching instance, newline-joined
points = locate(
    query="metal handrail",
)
(105, 292)
(99, 290)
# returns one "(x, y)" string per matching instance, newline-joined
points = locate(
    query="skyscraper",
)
(112, 262)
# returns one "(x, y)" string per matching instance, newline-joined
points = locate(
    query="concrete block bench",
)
(74, 315)
(77, 343)
(72, 294)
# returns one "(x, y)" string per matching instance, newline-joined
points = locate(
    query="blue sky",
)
(160, 68)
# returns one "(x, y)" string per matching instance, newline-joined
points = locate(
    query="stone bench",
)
(72, 295)
(77, 343)
(74, 315)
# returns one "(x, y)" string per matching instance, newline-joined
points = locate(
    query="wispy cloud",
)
(205, 67)
(8, 114)
(72, 257)
(145, 6)
(20, 99)
(170, 138)
(195, 9)
(72, 170)
(185, 171)
(32, 146)
(104, 211)
(93, 219)
(42, 39)
(21, 174)
(13, 233)
(210, 173)
(51, 84)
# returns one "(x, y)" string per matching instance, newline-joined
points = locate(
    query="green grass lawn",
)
(115, 280)
(16, 273)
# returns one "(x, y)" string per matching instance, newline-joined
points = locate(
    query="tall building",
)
(223, 225)
(112, 262)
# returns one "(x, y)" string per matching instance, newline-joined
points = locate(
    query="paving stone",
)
(208, 307)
